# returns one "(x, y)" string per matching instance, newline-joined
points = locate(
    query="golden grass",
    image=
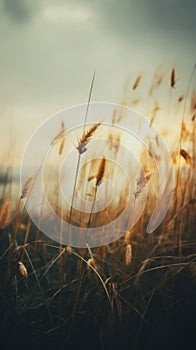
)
(5, 213)
(27, 187)
(121, 278)
(173, 78)
(86, 137)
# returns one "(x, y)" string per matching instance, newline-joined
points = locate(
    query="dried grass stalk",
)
(5, 214)
(27, 187)
(58, 136)
(193, 103)
(181, 98)
(158, 78)
(128, 236)
(22, 269)
(137, 82)
(135, 101)
(173, 78)
(186, 156)
(128, 255)
(91, 178)
(86, 137)
(141, 183)
(154, 112)
(61, 148)
(91, 262)
(101, 172)
(69, 249)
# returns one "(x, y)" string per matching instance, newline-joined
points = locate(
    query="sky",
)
(50, 49)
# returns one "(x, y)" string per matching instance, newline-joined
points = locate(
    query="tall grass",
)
(54, 290)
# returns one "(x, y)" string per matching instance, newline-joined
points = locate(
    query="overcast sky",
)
(49, 50)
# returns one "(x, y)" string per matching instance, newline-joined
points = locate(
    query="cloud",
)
(49, 50)
(124, 18)
(19, 10)
(52, 56)
(66, 13)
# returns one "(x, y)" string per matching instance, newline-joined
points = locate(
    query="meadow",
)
(137, 291)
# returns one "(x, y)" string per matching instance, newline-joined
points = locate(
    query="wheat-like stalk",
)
(154, 112)
(22, 269)
(141, 183)
(158, 78)
(5, 214)
(135, 101)
(61, 147)
(86, 137)
(181, 98)
(173, 78)
(99, 178)
(91, 262)
(180, 144)
(58, 136)
(82, 143)
(128, 254)
(101, 172)
(68, 249)
(186, 156)
(193, 102)
(128, 236)
(27, 187)
(137, 82)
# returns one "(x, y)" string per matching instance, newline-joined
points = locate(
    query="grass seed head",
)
(5, 214)
(22, 269)
(86, 137)
(173, 78)
(101, 172)
(186, 156)
(128, 255)
(137, 82)
(27, 187)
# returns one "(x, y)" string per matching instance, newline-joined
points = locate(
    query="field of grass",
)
(137, 292)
